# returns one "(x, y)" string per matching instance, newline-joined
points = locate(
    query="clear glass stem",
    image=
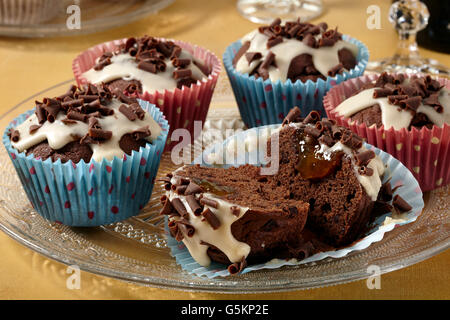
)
(407, 46)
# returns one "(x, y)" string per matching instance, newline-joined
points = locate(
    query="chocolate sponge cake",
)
(325, 192)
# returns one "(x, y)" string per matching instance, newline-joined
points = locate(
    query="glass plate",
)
(136, 250)
(96, 15)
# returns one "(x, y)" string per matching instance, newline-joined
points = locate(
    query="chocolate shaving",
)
(141, 133)
(312, 131)
(34, 128)
(274, 41)
(180, 208)
(365, 171)
(312, 117)
(193, 188)
(252, 56)
(336, 70)
(182, 73)
(75, 115)
(211, 218)
(40, 113)
(193, 204)
(181, 63)
(167, 208)
(209, 202)
(15, 135)
(400, 204)
(99, 134)
(237, 267)
(146, 66)
(127, 112)
(412, 103)
(140, 113)
(293, 115)
(382, 92)
(363, 158)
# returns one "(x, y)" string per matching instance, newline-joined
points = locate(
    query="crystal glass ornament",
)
(408, 17)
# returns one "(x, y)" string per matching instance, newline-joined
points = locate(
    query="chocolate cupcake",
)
(177, 77)
(407, 116)
(278, 66)
(89, 156)
(328, 188)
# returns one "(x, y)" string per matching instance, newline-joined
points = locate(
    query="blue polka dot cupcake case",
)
(113, 185)
(277, 67)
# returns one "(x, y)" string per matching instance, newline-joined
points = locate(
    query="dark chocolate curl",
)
(194, 205)
(274, 41)
(75, 115)
(193, 188)
(167, 208)
(312, 117)
(411, 103)
(180, 208)
(251, 56)
(209, 202)
(40, 113)
(146, 66)
(365, 171)
(100, 134)
(182, 73)
(237, 267)
(211, 218)
(15, 135)
(127, 112)
(34, 128)
(400, 204)
(141, 133)
(363, 158)
(293, 115)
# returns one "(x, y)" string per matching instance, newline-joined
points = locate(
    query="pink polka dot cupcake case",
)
(424, 150)
(93, 193)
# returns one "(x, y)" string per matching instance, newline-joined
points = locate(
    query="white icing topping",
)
(371, 184)
(395, 218)
(124, 66)
(59, 134)
(392, 115)
(324, 58)
(222, 238)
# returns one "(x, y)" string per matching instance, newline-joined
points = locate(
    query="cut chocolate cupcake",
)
(324, 195)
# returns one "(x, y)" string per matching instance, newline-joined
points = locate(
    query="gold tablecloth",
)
(31, 65)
